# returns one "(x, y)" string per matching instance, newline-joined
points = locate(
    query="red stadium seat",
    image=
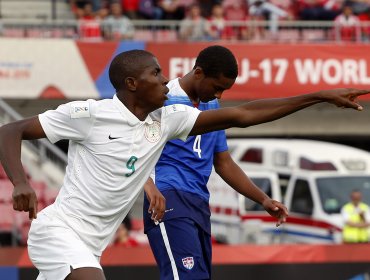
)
(38, 33)
(314, 35)
(166, 35)
(144, 35)
(137, 224)
(7, 217)
(14, 32)
(39, 188)
(289, 35)
(50, 195)
(6, 191)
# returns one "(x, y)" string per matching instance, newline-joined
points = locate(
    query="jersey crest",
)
(153, 132)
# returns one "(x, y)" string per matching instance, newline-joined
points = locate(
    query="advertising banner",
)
(278, 70)
(52, 68)
(43, 69)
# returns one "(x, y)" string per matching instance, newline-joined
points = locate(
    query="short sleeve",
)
(71, 121)
(221, 143)
(179, 119)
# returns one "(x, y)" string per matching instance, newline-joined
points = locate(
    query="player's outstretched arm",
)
(235, 177)
(11, 136)
(266, 110)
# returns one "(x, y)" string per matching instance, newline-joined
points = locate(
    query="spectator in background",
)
(98, 7)
(130, 8)
(206, 6)
(318, 9)
(356, 217)
(263, 10)
(171, 9)
(122, 237)
(347, 25)
(218, 26)
(194, 27)
(358, 6)
(77, 7)
(117, 26)
(236, 11)
(89, 25)
(148, 9)
(365, 25)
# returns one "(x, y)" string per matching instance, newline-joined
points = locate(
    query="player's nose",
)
(165, 80)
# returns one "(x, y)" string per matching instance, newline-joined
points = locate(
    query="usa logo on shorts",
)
(188, 262)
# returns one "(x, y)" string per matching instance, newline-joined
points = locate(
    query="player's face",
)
(151, 84)
(212, 88)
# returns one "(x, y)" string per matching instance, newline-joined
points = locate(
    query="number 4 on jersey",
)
(196, 146)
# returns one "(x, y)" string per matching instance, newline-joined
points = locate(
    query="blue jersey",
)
(183, 169)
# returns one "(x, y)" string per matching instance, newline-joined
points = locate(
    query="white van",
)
(313, 179)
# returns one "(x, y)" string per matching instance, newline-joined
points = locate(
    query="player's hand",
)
(344, 97)
(157, 202)
(277, 210)
(25, 199)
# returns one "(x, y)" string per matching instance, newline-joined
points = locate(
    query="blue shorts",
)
(181, 249)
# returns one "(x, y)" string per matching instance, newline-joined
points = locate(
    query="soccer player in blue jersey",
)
(181, 242)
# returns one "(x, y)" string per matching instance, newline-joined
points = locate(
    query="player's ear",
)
(131, 83)
(198, 72)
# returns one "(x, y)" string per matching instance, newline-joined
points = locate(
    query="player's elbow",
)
(9, 131)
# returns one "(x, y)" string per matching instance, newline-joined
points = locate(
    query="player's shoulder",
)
(81, 108)
(175, 90)
(175, 108)
(170, 111)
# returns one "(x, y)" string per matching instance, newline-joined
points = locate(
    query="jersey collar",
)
(128, 115)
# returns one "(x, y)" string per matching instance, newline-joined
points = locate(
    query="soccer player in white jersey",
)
(114, 145)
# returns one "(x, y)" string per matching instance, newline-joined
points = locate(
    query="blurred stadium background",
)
(54, 51)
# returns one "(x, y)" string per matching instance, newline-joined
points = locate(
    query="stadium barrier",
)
(289, 262)
(167, 30)
(43, 148)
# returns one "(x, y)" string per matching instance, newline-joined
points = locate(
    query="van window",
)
(265, 185)
(334, 192)
(302, 198)
(252, 155)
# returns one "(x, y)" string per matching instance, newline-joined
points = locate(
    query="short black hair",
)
(126, 64)
(217, 60)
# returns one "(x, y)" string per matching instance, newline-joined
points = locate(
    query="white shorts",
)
(54, 248)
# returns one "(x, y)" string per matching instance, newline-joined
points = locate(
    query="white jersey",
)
(111, 154)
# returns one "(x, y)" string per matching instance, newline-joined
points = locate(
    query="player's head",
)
(216, 70)
(216, 61)
(137, 74)
(127, 64)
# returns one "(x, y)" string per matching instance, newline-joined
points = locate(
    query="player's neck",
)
(186, 85)
(134, 106)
